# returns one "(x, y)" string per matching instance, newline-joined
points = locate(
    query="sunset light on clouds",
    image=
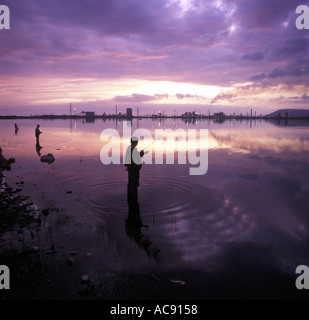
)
(194, 54)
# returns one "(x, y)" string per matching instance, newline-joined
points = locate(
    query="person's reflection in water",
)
(38, 147)
(134, 227)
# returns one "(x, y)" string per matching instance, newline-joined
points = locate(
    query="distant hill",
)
(291, 113)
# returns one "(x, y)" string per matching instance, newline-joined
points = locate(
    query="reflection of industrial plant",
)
(219, 117)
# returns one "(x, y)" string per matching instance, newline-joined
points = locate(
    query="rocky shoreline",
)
(17, 210)
(41, 269)
(20, 231)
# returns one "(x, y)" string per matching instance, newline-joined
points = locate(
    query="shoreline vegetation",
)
(41, 267)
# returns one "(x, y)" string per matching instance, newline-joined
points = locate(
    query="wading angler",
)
(188, 146)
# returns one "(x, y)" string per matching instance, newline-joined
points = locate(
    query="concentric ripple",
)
(196, 218)
(157, 195)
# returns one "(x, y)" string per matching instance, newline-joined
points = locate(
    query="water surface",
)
(248, 213)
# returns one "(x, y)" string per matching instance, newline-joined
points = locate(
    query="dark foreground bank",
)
(39, 269)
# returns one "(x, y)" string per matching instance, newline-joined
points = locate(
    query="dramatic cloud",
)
(278, 94)
(253, 56)
(182, 96)
(212, 43)
(136, 98)
(260, 76)
(305, 96)
(293, 47)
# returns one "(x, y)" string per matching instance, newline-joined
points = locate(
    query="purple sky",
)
(228, 55)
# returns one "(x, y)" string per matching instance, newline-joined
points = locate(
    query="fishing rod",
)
(53, 144)
(147, 147)
(51, 134)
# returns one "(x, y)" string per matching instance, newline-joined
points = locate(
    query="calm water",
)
(255, 195)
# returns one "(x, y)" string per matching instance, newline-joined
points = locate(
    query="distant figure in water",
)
(5, 164)
(16, 128)
(37, 132)
(133, 162)
(38, 147)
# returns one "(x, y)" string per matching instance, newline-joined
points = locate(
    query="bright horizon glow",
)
(40, 91)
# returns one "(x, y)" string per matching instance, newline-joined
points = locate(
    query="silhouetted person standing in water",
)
(133, 162)
(38, 147)
(16, 128)
(37, 132)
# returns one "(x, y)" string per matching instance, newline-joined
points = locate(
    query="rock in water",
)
(85, 278)
(49, 158)
(70, 261)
